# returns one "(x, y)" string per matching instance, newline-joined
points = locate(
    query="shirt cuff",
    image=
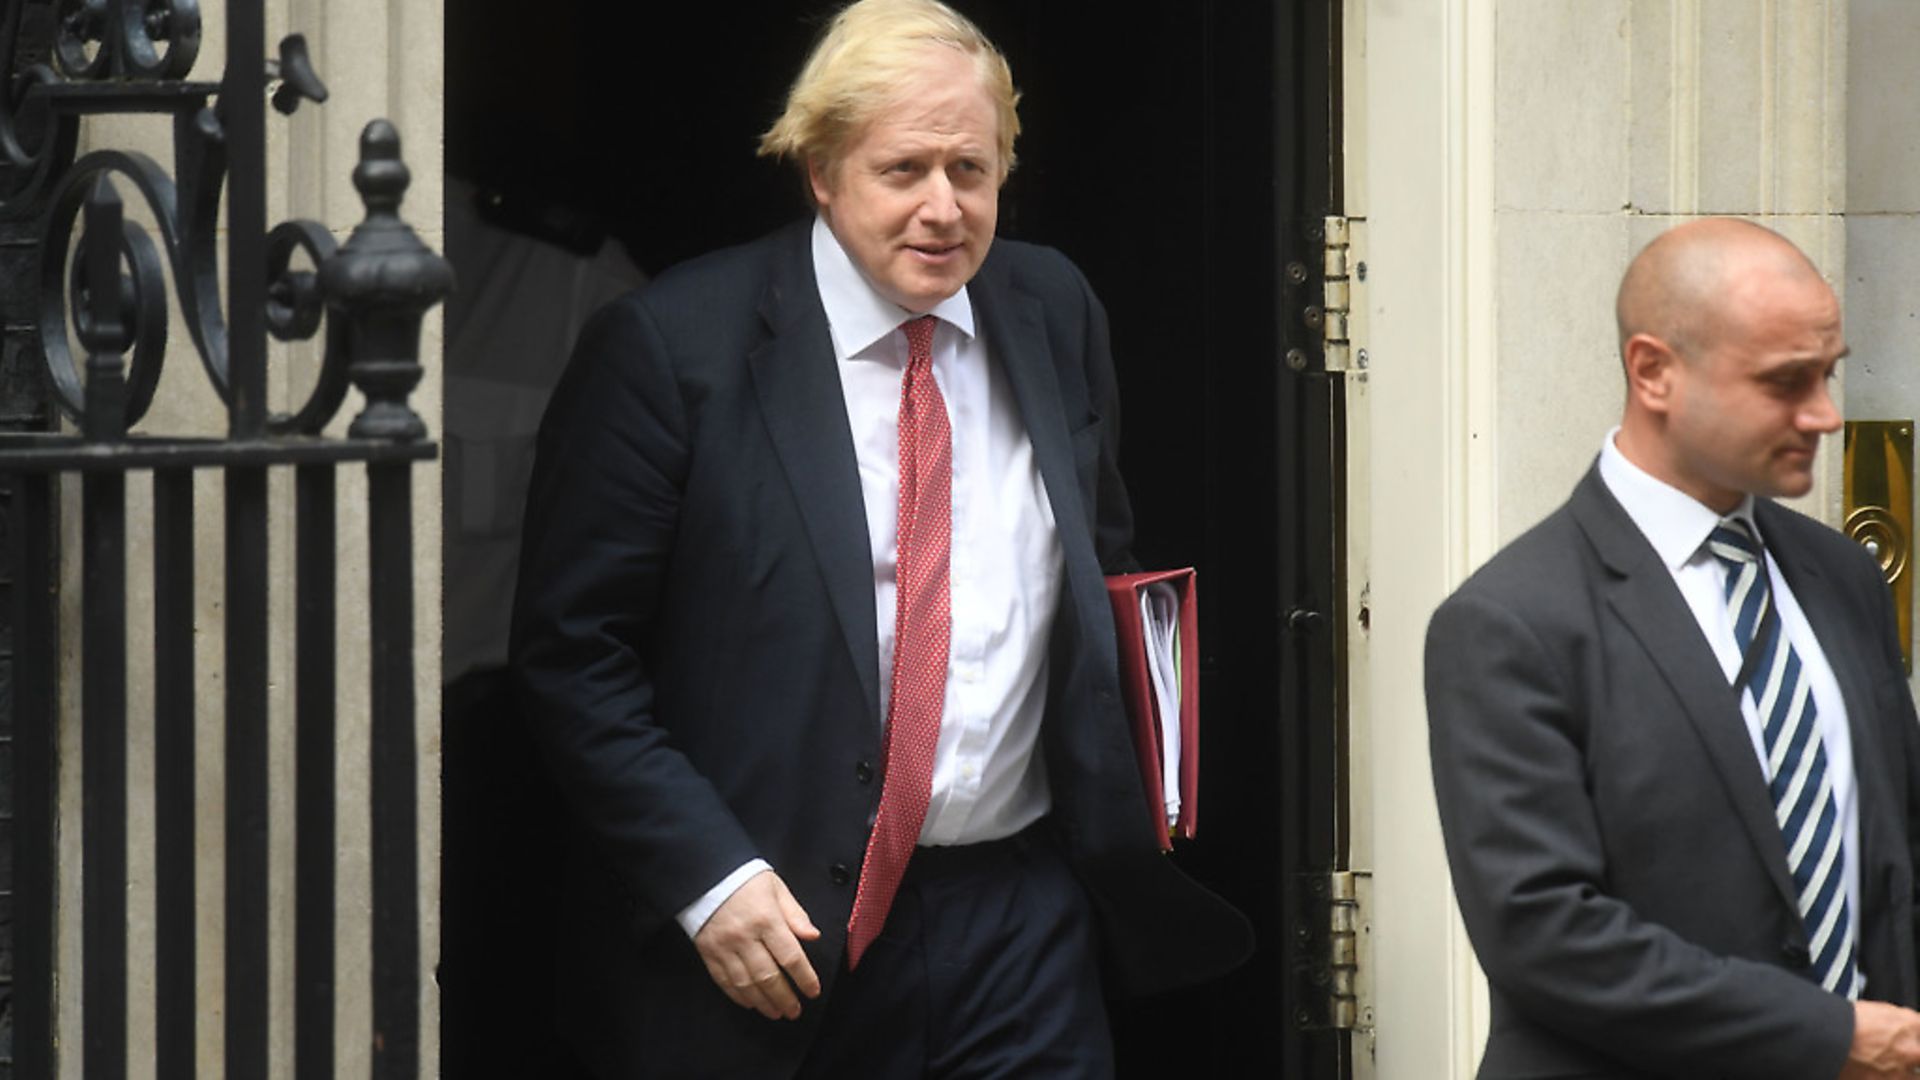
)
(695, 915)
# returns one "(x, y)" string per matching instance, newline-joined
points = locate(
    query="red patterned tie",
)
(921, 624)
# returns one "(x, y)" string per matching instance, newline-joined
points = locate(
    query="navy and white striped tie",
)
(1797, 778)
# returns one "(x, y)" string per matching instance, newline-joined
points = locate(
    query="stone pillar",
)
(1882, 171)
(1615, 121)
(1508, 158)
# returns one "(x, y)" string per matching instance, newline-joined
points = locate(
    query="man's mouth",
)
(935, 252)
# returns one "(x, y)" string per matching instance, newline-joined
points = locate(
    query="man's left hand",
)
(751, 946)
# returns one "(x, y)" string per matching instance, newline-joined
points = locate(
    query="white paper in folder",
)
(1160, 621)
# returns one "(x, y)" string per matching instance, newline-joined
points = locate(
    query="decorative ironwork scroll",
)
(131, 56)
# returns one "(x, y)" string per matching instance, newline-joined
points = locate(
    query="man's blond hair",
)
(868, 52)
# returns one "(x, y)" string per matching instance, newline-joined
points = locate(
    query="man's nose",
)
(1822, 414)
(940, 207)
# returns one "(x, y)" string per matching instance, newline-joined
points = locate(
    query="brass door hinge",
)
(1349, 934)
(1340, 267)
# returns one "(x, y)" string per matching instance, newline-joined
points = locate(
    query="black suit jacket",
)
(695, 644)
(1612, 841)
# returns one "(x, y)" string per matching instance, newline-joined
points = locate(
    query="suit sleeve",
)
(1894, 695)
(1530, 870)
(601, 524)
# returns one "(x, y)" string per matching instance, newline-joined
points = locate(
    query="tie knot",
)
(1733, 542)
(919, 338)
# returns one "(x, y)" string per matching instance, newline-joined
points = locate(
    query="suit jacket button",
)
(863, 771)
(839, 873)
(1795, 953)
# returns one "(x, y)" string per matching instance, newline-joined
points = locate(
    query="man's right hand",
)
(1886, 1042)
(752, 948)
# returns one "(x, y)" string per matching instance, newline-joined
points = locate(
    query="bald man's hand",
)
(1886, 1042)
(751, 946)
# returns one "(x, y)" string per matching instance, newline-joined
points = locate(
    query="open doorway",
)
(1182, 155)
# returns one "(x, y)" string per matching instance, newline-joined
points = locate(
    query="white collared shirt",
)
(1677, 525)
(1006, 562)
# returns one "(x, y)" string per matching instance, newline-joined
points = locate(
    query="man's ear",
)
(1651, 364)
(820, 181)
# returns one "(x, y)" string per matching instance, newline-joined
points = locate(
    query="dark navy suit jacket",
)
(695, 645)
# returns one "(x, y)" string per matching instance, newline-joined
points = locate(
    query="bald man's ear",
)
(1650, 364)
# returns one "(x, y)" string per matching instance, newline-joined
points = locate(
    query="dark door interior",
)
(1182, 155)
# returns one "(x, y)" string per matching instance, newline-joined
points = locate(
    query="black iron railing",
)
(66, 60)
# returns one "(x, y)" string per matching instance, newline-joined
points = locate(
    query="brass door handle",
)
(1879, 508)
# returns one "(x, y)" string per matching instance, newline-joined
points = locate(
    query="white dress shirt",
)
(1677, 526)
(1006, 563)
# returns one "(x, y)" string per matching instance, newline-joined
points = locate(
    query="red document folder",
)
(1124, 591)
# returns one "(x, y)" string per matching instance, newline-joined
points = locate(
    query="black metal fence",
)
(98, 276)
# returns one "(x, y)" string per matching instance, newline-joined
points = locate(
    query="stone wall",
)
(1509, 157)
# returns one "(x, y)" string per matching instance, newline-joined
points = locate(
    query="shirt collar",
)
(857, 314)
(1675, 523)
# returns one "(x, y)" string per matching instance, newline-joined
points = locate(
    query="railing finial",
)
(382, 282)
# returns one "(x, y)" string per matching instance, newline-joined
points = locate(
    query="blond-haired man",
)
(1676, 756)
(812, 628)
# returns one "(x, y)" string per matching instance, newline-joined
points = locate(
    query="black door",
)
(1183, 155)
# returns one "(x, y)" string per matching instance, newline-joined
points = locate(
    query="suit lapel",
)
(1643, 595)
(805, 410)
(1011, 320)
(1839, 644)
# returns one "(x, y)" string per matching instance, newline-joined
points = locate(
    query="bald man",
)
(1675, 754)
